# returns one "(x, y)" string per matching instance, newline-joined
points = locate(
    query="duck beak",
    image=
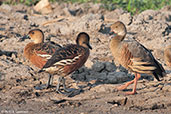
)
(23, 38)
(111, 33)
(89, 46)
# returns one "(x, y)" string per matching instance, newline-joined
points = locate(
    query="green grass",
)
(26, 2)
(132, 6)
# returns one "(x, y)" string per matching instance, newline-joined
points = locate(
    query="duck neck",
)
(115, 41)
(28, 50)
(85, 45)
(39, 41)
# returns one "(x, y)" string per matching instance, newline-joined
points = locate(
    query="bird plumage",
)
(132, 55)
(38, 51)
(68, 58)
(167, 55)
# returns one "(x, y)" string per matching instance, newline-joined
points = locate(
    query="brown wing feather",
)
(134, 62)
(45, 48)
(126, 56)
(71, 57)
(38, 61)
(39, 53)
(137, 58)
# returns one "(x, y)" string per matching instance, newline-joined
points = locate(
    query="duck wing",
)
(66, 59)
(139, 59)
(46, 50)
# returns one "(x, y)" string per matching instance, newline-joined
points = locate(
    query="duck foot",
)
(131, 93)
(43, 86)
(69, 92)
(122, 87)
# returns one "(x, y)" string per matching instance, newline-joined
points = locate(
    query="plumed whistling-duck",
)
(38, 51)
(133, 56)
(68, 59)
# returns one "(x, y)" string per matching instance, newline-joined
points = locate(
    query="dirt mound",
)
(100, 75)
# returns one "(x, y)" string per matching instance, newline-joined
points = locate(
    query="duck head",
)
(119, 29)
(83, 40)
(36, 35)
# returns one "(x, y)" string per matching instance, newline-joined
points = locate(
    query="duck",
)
(38, 52)
(68, 59)
(167, 55)
(133, 56)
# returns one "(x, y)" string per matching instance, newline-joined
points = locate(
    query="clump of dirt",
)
(100, 75)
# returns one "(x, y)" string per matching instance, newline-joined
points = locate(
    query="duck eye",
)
(32, 33)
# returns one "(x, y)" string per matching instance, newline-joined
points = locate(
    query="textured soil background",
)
(98, 78)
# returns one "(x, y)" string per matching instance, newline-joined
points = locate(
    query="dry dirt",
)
(98, 78)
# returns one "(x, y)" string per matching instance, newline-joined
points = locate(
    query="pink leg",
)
(122, 87)
(137, 76)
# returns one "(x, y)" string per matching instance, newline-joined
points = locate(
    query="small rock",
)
(121, 76)
(37, 94)
(101, 88)
(110, 67)
(126, 18)
(13, 55)
(156, 106)
(80, 77)
(33, 24)
(81, 70)
(166, 8)
(6, 7)
(43, 6)
(18, 80)
(88, 63)
(75, 12)
(89, 22)
(95, 76)
(167, 88)
(121, 69)
(101, 76)
(119, 101)
(116, 77)
(111, 78)
(111, 16)
(59, 101)
(98, 66)
(26, 17)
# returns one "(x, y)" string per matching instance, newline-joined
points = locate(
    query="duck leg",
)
(50, 81)
(58, 85)
(64, 86)
(45, 86)
(61, 79)
(122, 87)
(137, 76)
(68, 92)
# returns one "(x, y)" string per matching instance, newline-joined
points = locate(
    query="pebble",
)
(126, 18)
(167, 88)
(110, 67)
(98, 66)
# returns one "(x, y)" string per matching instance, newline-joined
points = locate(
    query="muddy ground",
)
(99, 77)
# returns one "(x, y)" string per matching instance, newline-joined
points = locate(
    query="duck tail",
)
(160, 71)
